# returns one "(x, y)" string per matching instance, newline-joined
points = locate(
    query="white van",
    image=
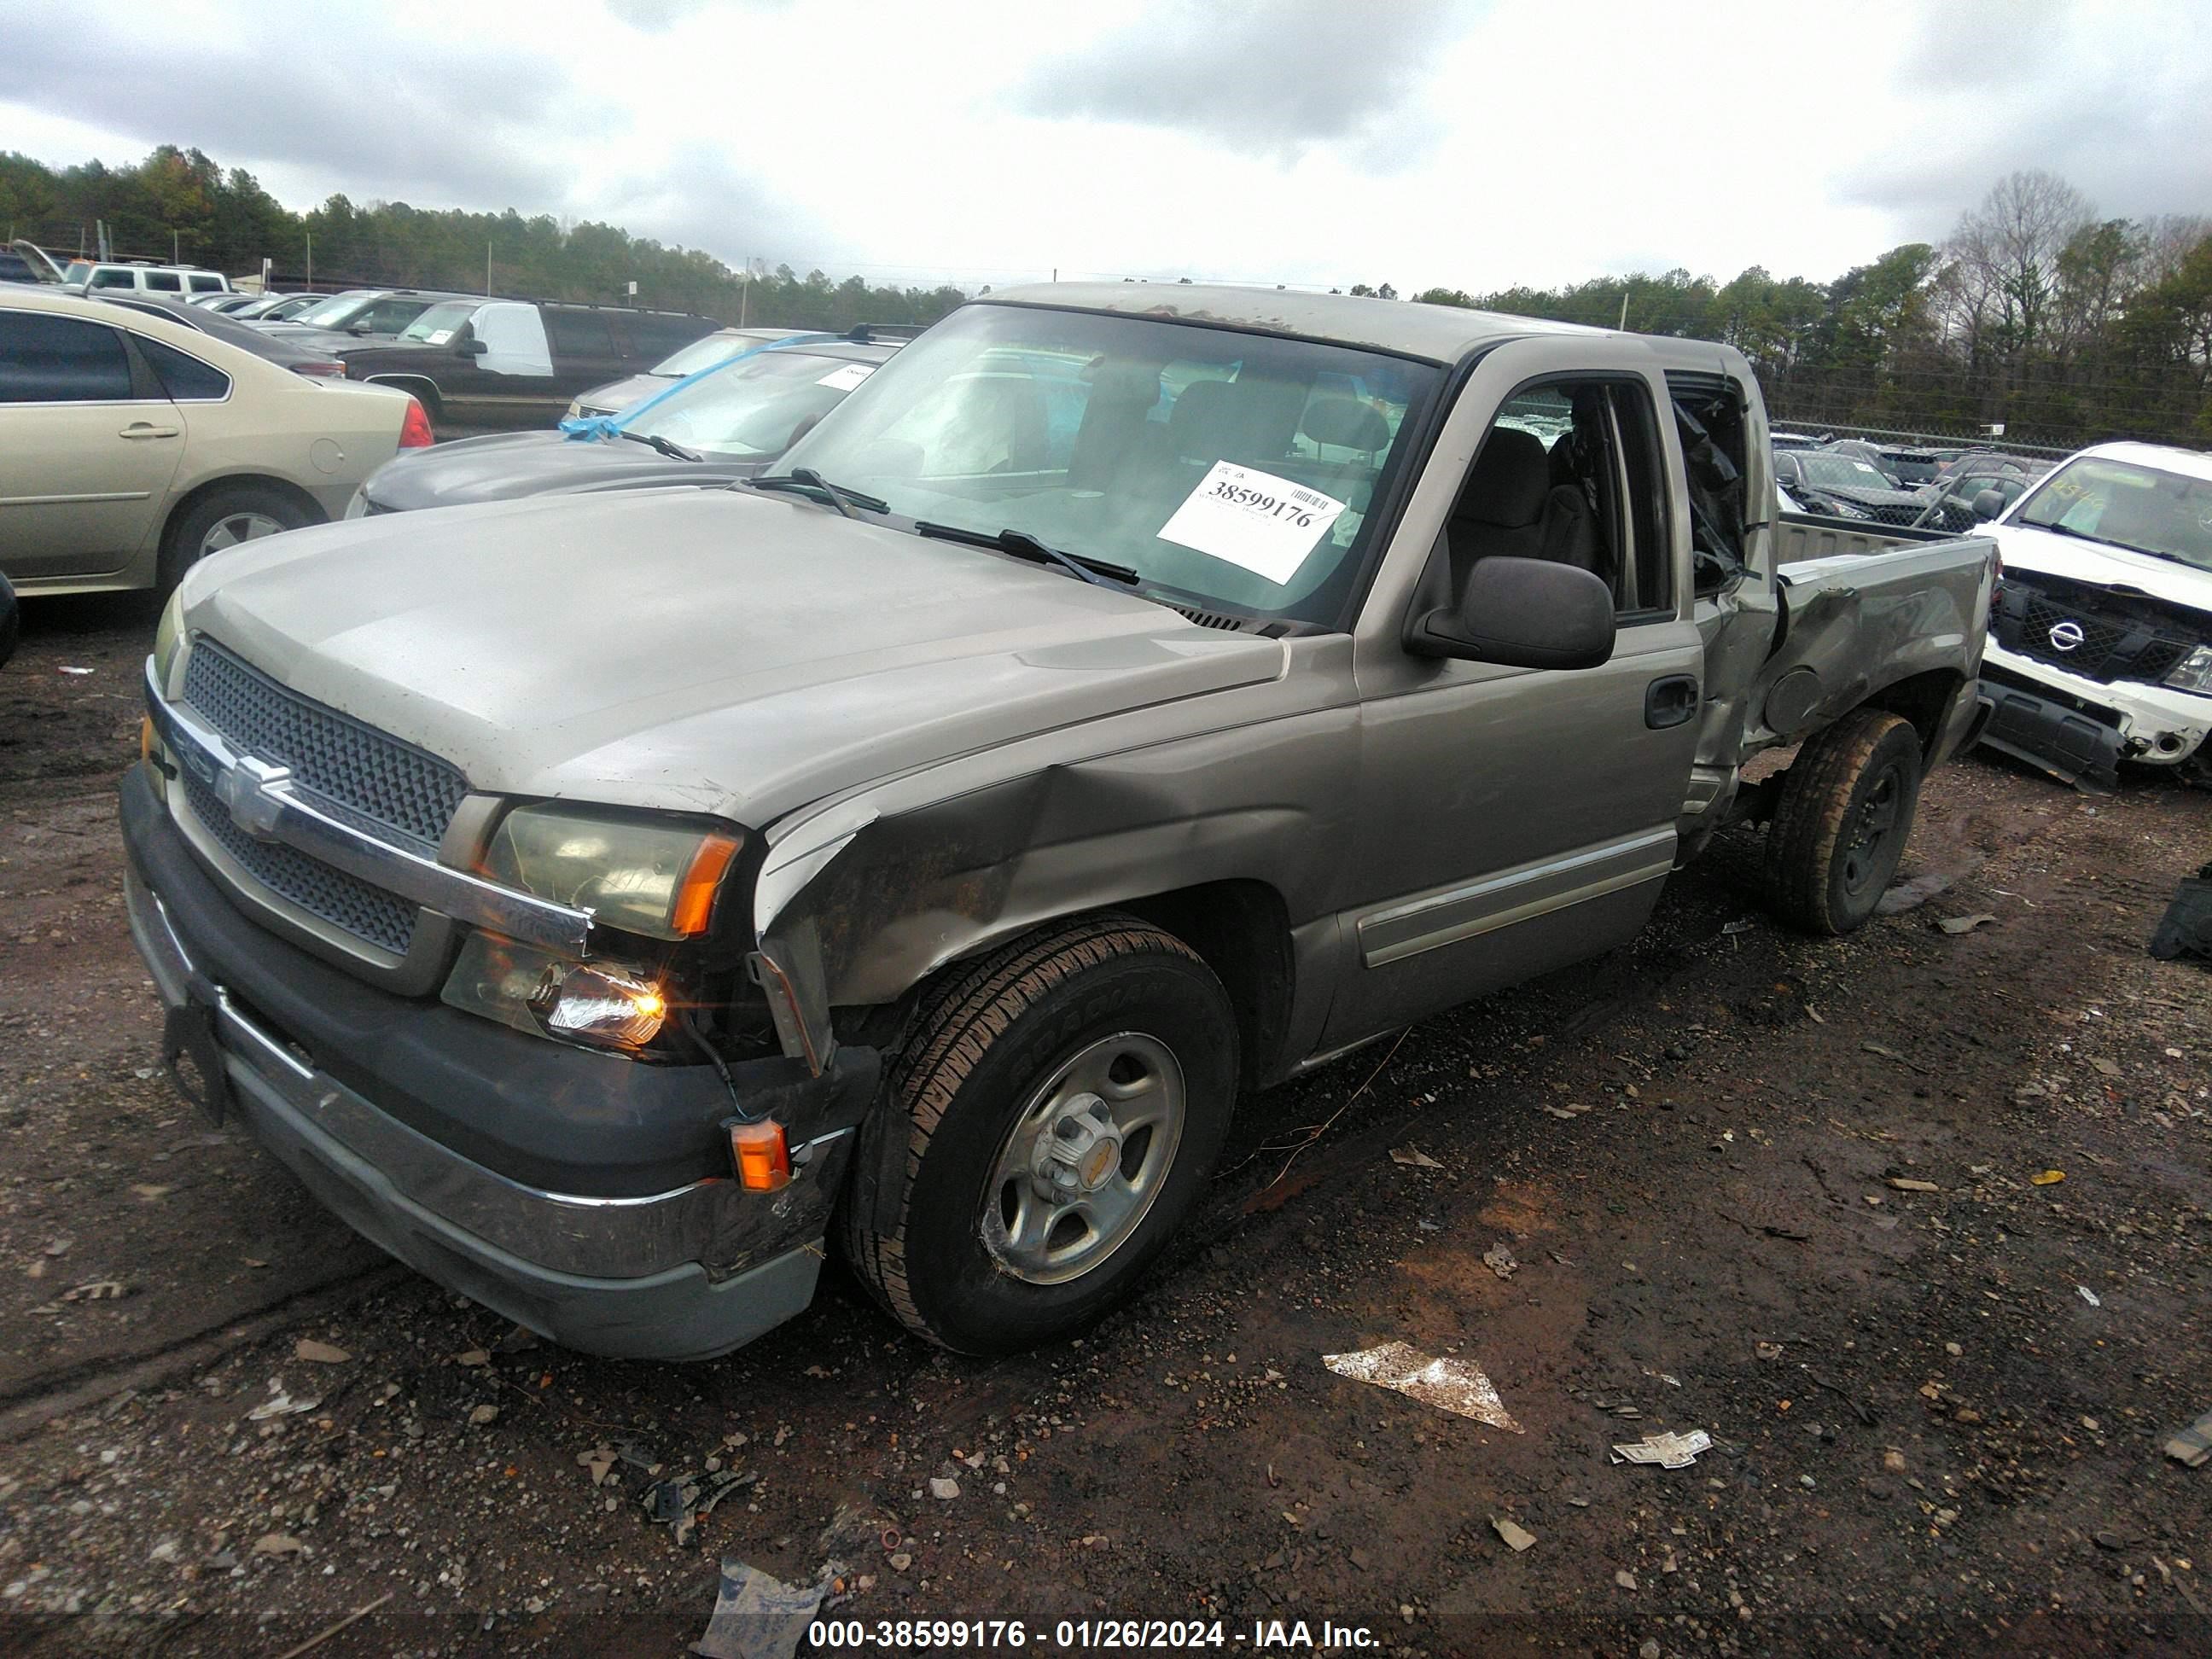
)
(91, 277)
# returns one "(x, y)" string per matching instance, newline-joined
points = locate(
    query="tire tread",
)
(1809, 817)
(976, 1004)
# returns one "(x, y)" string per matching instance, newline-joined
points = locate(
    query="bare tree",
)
(2002, 279)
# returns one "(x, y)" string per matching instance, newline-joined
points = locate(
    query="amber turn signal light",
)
(762, 1160)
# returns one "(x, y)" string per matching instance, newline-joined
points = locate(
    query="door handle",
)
(142, 429)
(1670, 702)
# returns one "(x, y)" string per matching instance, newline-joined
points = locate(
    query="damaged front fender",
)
(858, 902)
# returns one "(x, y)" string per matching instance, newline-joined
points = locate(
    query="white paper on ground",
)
(844, 378)
(1254, 518)
(1451, 1385)
(1669, 1451)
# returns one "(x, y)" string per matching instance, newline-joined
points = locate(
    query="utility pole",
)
(311, 261)
(1624, 310)
(745, 292)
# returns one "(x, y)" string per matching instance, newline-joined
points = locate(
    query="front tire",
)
(1064, 1100)
(1846, 810)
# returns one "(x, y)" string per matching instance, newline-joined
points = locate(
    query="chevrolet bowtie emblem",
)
(246, 789)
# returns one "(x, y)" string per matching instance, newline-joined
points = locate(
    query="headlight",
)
(168, 632)
(637, 874)
(599, 1003)
(576, 409)
(2195, 673)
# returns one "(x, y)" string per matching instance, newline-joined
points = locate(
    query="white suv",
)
(91, 279)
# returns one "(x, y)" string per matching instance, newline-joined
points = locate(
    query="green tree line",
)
(178, 203)
(2036, 313)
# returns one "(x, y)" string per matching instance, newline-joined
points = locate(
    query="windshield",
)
(753, 408)
(330, 312)
(2138, 507)
(703, 353)
(441, 322)
(1227, 469)
(1841, 472)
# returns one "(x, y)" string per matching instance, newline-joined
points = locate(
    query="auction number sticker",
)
(1254, 518)
(845, 378)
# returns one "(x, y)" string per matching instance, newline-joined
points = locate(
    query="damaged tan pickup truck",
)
(1125, 700)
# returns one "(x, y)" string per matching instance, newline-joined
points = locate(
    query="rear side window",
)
(185, 377)
(390, 314)
(579, 333)
(207, 284)
(165, 282)
(60, 359)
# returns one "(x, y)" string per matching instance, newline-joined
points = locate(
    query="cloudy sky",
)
(1473, 143)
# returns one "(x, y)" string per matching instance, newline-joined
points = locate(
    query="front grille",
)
(374, 782)
(1898, 512)
(2121, 638)
(332, 896)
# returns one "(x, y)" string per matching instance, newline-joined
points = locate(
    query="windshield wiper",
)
(1023, 545)
(668, 446)
(806, 481)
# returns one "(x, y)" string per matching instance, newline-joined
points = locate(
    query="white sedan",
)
(131, 446)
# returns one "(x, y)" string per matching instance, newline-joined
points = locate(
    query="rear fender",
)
(1855, 628)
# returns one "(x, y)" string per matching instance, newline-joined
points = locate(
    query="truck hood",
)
(705, 651)
(504, 465)
(2039, 552)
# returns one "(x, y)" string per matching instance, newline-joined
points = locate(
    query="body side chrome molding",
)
(263, 800)
(1468, 908)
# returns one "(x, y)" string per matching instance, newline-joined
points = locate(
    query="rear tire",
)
(224, 518)
(1063, 1100)
(1840, 827)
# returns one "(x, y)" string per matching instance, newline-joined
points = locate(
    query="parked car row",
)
(729, 419)
(133, 445)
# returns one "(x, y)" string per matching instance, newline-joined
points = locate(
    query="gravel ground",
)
(1727, 1178)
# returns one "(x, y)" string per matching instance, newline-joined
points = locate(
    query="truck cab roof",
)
(1441, 334)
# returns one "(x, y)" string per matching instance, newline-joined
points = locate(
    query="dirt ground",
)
(1779, 1189)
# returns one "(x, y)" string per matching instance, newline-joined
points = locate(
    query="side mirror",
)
(1988, 505)
(471, 348)
(1523, 613)
(361, 330)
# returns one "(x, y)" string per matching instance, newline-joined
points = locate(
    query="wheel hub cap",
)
(1081, 1151)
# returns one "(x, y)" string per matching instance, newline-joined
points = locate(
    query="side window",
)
(164, 281)
(111, 279)
(513, 339)
(185, 377)
(1708, 416)
(53, 360)
(206, 284)
(389, 316)
(579, 333)
(1570, 471)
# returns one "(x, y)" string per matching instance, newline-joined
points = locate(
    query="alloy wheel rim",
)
(235, 527)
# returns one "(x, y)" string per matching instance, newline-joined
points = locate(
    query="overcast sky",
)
(1459, 143)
